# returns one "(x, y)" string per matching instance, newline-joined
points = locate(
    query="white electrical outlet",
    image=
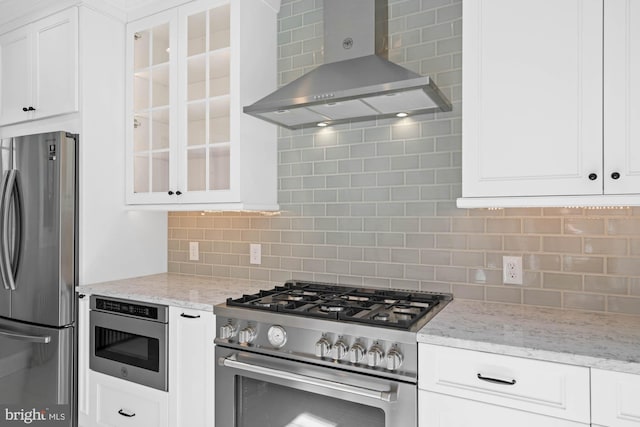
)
(194, 251)
(512, 270)
(255, 253)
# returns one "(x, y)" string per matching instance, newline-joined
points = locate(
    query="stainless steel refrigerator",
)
(38, 274)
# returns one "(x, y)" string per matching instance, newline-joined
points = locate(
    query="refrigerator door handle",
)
(9, 266)
(39, 339)
(3, 213)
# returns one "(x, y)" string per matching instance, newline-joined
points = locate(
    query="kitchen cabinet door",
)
(209, 155)
(55, 66)
(119, 403)
(546, 388)
(532, 90)
(39, 69)
(151, 107)
(15, 76)
(614, 398)
(440, 410)
(622, 97)
(191, 369)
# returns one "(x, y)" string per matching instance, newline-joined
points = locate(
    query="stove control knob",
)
(247, 335)
(340, 349)
(394, 359)
(374, 356)
(227, 331)
(323, 347)
(356, 353)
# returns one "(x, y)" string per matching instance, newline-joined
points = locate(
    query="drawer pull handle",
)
(190, 316)
(126, 414)
(496, 380)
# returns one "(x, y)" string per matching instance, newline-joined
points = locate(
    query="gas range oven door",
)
(253, 390)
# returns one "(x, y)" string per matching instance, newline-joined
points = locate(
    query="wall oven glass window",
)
(129, 340)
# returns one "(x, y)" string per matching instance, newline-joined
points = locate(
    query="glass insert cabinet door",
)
(152, 112)
(207, 103)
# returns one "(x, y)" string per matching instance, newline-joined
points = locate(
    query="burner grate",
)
(386, 308)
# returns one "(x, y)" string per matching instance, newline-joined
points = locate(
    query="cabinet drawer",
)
(541, 387)
(439, 410)
(117, 403)
(615, 398)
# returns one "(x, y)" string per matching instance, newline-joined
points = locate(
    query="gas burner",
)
(405, 309)
(355, 298)
(260, 304)
(330, 308)
(382, 317)
(404, 317)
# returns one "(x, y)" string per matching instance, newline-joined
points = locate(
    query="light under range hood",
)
(356, 82)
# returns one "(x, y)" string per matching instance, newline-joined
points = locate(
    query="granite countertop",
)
(605, 341)
(597, 340)
(180, 290)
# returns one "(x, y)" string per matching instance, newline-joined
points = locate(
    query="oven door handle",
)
(232, 362)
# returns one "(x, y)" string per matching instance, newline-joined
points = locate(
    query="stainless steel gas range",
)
(309, 354)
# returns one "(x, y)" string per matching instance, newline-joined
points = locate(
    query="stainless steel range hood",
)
(356, 82)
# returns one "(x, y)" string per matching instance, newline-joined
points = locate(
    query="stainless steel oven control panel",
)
(347, 350)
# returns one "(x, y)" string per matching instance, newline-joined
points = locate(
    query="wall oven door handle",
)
(232, 362)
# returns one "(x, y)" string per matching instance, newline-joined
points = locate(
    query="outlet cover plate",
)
(255, 253)
(194, 251)
(512, 270)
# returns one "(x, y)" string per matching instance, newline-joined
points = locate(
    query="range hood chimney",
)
(356, 82)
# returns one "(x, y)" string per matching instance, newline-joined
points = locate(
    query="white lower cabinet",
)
(615, 399)
(442, 410)
(499, 390)
(191, 367)
(108, 401)
(119, 403)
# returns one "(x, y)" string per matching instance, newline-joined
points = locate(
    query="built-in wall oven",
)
(129, 340)
(322, 355)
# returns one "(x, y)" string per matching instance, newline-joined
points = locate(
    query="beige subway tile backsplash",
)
(373, 203)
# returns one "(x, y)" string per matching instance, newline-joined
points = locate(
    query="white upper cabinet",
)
(39, 69)
(534, 92)
(622, 96)
(190, 72)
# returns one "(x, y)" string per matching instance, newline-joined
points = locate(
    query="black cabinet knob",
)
(170, 193)
(178, 193)
(25, 109)
(615, 175)
(593, 176)
(32, 109)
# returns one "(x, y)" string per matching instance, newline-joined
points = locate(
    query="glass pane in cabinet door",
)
(219, 167)
(196, 78)
(196, 124)
(197, 34)
(160, 44)
(141, 173)
(219, 22)
(140, 134)
(160, 129)
(219, 120)
(160, 85)
(219, 71)
(141, 50)
(160, 172)
(141, 91)
(197, 169)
